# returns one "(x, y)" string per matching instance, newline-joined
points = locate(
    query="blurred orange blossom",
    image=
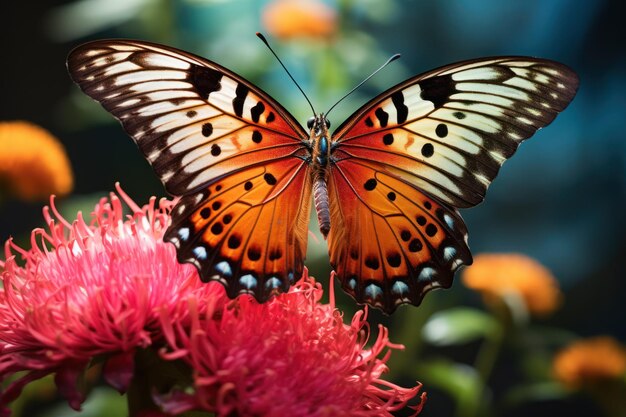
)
(33, 163)
(497, 275)
(589, 361)
(288, 19)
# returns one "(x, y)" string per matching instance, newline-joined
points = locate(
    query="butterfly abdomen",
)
(320, 196)
(320, 156)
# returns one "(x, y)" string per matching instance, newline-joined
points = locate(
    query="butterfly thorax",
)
(320, 158)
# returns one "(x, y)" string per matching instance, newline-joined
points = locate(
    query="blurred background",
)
(560, 200)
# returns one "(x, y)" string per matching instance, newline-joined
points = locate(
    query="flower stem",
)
(139, 393)
(485, 361)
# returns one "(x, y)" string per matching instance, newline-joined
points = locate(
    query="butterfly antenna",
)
(390, 60)
(260, 36)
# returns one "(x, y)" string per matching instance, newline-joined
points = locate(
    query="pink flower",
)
(110, 290)
(91, 289)
(290, 356)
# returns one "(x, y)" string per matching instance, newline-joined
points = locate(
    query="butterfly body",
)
(386, 184)
(319, 161)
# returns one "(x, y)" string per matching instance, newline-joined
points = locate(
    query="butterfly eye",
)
(310, 122)
(327, 123)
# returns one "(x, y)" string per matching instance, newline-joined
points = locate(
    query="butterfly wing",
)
(215, 139)
(249, 229)
(406, 160)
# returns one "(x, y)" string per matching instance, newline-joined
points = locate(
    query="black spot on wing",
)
(234, 241)
(217, 228)
(257, 111)
(370, 184)
(394, 260)
(241, 92)
(207, 129)
(205, 80)
(415, 245)
(441, 130)
(382, 116)
(254, 253)
(269, 179)
(428, 150)
(402, 111)
(372, 262)
(437, 89)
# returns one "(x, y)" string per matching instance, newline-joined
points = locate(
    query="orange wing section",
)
(390, 243)
(248, 230)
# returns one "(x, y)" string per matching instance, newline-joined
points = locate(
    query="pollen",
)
(497, 275)
(33, 163)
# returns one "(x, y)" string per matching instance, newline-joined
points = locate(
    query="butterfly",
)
(386, 184)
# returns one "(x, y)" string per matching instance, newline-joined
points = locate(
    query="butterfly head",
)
(318, 125)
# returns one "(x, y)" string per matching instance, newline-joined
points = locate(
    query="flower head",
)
(294, 18)
(590, 361)
(90, 289)
(33, 163)
(290, 356)
(497, 275)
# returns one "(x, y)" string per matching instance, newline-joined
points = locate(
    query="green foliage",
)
(459, 325)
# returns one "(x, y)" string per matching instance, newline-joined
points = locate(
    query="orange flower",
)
(293, 18)
(589, 361)
(498, 275)
(33, 163)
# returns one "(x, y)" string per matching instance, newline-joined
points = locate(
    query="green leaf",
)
(459, 325)
(460, 381)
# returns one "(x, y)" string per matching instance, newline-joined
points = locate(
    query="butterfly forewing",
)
(193, 120)
(406, 160)
(449, 131)
(234, 155)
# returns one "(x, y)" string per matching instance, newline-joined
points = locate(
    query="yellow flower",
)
(33, 163)
(293, 18)
(498, 275)
(590, 360)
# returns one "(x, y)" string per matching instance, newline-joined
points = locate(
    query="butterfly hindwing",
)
(248, 230)
(234, 155)
(389, 242)
(407, 159)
